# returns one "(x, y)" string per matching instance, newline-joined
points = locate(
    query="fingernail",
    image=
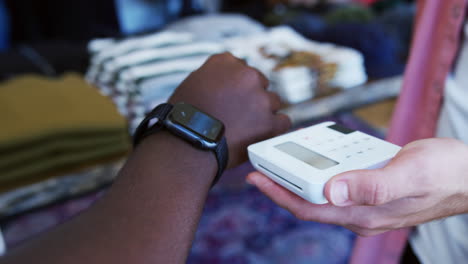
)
(340, 193)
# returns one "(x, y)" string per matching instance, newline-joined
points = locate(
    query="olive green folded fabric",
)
(57, 146)
(52, 124)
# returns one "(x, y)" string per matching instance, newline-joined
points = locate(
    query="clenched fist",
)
(226, 88)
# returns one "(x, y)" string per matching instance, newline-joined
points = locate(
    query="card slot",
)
(281, 178)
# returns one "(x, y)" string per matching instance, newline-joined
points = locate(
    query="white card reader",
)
(304, 160)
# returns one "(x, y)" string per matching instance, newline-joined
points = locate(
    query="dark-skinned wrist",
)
(189, 157)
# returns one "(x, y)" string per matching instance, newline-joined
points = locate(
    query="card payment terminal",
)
(304, 160)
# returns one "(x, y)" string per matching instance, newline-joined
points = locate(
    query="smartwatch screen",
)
(199, 122)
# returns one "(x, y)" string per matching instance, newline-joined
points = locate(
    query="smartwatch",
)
(192, 125)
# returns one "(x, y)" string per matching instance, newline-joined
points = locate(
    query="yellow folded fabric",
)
(34, 107)
(49, 125)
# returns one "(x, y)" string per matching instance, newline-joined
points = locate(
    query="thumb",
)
(365, 187)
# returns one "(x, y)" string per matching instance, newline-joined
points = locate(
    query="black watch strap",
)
(151, 125)
(144, 129)
(222, 156)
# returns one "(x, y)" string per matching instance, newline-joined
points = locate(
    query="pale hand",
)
(427, 180)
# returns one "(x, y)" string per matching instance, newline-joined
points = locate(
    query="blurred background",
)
(77, 77)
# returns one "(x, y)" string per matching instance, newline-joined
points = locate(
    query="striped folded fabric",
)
(140, 72)
(50, 127)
